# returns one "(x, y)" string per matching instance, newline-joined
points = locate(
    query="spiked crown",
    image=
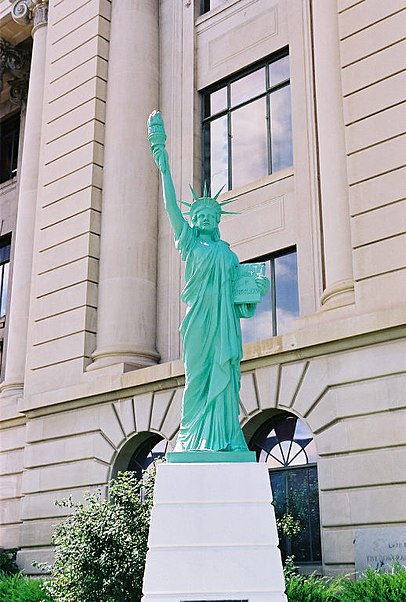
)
(206, 201)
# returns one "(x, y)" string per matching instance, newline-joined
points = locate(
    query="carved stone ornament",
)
(16, 62)
(27, 11)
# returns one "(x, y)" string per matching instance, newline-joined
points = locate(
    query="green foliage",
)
(377, 586)
(100, 548)
(8, 564)
(311, 588)
(17, 588)
(373, 586)
(288, 525)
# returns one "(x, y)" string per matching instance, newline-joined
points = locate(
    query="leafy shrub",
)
(8, 564)
(100, 548)
(373, 586)
(311, 588)
(376, 586)
(16, 588)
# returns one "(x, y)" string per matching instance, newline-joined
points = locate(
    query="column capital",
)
(16, 62)
(30, 11)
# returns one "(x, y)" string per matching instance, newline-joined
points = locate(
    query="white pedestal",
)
(213, 536)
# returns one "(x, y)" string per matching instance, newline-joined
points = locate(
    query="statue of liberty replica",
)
(213, 534)
(218, 292)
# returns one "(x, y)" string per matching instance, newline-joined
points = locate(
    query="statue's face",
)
(205, 220)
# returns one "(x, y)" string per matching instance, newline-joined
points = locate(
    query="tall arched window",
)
(286, 445)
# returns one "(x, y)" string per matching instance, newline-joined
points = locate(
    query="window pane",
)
(281, 129)
(279, 71)
(4, 273)
(260, 325)
(218, 101)
(216, 154)
(287, 297)
(249, 144)
(247, 87)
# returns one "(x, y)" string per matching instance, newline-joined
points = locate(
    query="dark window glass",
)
(280, 306)
(207, 5)
(5, 246)
(247, 132)
(286, 445)
(9, 134)
(153, 448)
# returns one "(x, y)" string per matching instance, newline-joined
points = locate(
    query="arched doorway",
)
(286, 445)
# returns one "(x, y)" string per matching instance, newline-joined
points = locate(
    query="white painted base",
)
(213, 535)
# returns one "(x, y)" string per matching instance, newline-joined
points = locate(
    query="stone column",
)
(35, 12)
(126, 322)
(332, 157)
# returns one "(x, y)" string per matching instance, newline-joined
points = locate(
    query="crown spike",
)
(194, 194)
(231, 212)
(218, 194)
(185, 203)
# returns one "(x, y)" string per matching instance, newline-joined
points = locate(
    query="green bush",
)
(100, 548)
(376, 586)
(311, 588)
(8, 564)
(16, 588)
(373, 586)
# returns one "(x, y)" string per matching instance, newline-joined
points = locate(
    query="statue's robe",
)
(212, 347)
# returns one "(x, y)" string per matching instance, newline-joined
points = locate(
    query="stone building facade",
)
(296, 107)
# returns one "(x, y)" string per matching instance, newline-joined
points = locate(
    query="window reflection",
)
(278, 309)
(5, 246)
(286, 291)
(281, 129)
(218, 144)
(249, 120)
(249, 145)
(279, 71)
(218, 101)
(247, 87)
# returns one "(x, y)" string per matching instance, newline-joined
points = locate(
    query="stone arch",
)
(129, 447)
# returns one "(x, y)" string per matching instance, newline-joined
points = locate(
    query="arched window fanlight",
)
(288, 443)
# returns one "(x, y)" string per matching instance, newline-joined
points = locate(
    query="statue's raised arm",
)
(157, 138)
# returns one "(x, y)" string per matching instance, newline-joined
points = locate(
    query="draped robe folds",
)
(212, 347)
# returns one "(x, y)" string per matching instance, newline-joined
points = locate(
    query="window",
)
(207, 5)
(280, 306)
(247, 131)
(9, 134)
(286, 445)
(151, 449)
(5, 246)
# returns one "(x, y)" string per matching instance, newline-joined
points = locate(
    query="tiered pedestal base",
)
(213, 536)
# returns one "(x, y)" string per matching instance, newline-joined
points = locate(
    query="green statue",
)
(218, 292)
